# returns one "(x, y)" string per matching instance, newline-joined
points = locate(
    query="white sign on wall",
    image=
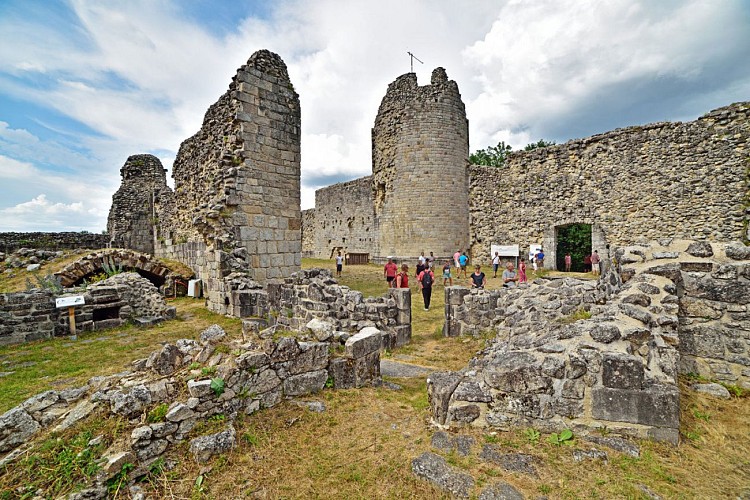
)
(504, 250)
(75, 300)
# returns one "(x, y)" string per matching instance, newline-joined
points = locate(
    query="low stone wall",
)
(659, 309)
(314, 294)
(32, 315)
(52, 241)
(257, 374)
(27, 316)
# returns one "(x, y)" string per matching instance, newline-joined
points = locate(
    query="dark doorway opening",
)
(106, 313)
(576, 240)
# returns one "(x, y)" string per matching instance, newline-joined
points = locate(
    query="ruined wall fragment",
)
(237, 184)
(133, 217)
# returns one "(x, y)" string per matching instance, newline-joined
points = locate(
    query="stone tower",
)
(420, 154)
(133, 216)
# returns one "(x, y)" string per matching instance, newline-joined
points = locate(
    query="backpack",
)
(427, 279)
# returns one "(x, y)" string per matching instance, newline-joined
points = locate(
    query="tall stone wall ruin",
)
(133, 216)
(236, 205)
(686, 180)
(420, 149)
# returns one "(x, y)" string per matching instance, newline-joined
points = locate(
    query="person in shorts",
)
(495, 263)
(339, 264)
(462, 261)
(389, 272)
(447, 273)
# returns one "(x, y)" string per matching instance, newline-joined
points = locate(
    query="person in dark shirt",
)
(478, 279)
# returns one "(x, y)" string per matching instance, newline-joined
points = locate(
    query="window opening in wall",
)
(575, 239)
(106, 313)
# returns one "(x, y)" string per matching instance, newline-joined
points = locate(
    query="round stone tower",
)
(420, 153)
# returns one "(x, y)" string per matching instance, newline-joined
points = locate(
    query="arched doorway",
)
(576, 240)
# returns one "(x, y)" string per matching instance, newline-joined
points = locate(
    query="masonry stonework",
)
(686, 180)
(420, 149)
(236, 205)
(133, 218)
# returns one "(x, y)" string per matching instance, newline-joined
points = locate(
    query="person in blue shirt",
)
(462, 261)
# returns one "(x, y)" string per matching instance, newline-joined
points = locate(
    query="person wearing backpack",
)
(426, 278)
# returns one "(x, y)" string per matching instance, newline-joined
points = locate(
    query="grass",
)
(363, 444)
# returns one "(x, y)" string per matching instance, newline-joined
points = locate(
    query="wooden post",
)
(72, 321)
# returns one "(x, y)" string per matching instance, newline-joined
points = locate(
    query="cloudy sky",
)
(84, 84)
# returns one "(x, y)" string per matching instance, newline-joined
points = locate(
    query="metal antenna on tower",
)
(411, 61)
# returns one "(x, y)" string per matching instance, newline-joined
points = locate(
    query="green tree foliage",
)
(493, 156)
(541, 143)
(575, 239)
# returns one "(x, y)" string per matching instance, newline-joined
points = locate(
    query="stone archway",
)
(95, 263)
(598, 240)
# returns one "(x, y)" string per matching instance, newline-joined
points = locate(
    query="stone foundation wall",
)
(10, 242)
(659, 309)
(253, 375)
(712, 292)
(314, 295)
(636, 184)
(308, 233)
(125, 297)
(344, 219)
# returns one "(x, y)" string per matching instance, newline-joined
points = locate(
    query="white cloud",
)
(39, 214)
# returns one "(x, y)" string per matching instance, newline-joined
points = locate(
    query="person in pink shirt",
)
(389, 272)
(595, 259)
(455, 260)
(568, 262)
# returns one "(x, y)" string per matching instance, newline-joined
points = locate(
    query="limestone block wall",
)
(133, 218)
(420, 149)
(314, 294)
(27, 316)
(712, 291)
(344, 219)
(9, 242)
(636, 184)
(237, 182)
(308, 232)
(616, 370)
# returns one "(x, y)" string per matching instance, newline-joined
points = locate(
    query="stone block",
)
(305, 383)
(440, 387)
(363, 343)
(434, 469)
(367, 369)
(341, 370)
(516, 372)
(622, 371)
(658, 405)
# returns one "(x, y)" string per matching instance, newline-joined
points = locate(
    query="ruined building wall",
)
(343, 219)
(132, 217)
(420, 148)
(237, 184)
(308, 232)
(687, 180)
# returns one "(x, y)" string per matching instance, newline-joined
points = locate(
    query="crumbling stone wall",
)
(314, 295)
(636, 184)
(9, 242)
(237, 183)
(255, 374)
(712, 292)
(420, 149)
(662, 308)
(133, 218)
(32, 315)
(344, 219)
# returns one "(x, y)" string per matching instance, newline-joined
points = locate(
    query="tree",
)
(493, 156)
(541, 143)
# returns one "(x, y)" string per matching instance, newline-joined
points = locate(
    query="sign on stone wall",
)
(504, 250)
(75, 300)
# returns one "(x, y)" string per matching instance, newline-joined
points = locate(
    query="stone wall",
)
(308, 233)
(237, 183)
(10, 242)
(712, 291)
(660, 309)
(255, 374)
(314, 295)
(133, 219)
(686, 180)
(420, 149)
(344, 219)
(125, 297)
